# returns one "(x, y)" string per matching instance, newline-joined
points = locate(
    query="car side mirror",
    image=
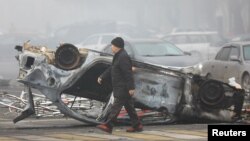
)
(234, 58)
(187, 53)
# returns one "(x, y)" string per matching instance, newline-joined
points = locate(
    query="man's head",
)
(117, 44)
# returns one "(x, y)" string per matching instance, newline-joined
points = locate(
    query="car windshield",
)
(157, 49)
(246, 50)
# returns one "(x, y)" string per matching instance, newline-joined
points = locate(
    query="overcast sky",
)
(44, 18)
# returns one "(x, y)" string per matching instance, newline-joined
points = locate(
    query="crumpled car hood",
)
(171, 61)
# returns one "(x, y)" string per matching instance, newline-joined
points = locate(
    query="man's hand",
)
(99, 80)
(131, 92)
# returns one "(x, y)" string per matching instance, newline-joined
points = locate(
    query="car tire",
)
(211, 94)
(67, 57)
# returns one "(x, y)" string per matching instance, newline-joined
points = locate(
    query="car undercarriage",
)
(162, 93)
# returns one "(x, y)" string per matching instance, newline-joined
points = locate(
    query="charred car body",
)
(74, 71)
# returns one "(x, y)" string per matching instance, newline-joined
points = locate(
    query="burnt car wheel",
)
(67, 57)
(246, 82)
(211, 94)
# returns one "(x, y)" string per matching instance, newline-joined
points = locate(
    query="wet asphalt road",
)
(69, 129)
(65, 129)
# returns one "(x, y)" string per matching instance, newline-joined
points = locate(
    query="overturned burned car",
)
(172, 94)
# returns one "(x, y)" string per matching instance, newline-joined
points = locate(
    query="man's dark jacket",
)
(121, 74)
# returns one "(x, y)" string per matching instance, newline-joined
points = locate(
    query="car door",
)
(232, 67)
(218, 66)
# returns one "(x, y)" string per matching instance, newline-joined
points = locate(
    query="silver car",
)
(233, 60)
(201, 43)
(161, 52)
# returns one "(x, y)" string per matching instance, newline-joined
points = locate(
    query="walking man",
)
(123, 87)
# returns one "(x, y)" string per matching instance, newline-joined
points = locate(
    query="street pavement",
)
(66, 129)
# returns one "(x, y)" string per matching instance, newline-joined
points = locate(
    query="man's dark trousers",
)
(128, 103)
